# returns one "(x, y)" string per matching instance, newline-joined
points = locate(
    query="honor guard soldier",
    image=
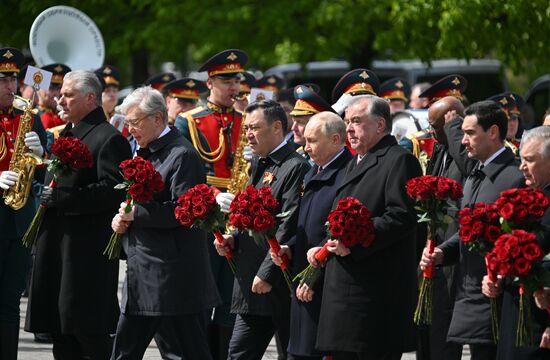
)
(421, 143)
(511, 103)
(248, 81)
(47, 99)
(182, 95)
(308, 103)
(15, 259)
(110, 77)
(158, 81)
(397, 92)
(271, 83)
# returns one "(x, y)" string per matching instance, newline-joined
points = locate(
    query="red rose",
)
(185, 218)
(492, 233)
(507, 211)
(502, 254)
(477, 228)
(504, 269)
(532, 251)
(348, 239)
(465, 233)
(336, 230)
(522, 267)
(264, 221)
(200, 210)
(135, 190)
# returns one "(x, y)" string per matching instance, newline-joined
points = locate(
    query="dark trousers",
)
(15, 261)
(134, 333)
(483, 352)
(77, 347)
(252, 334)
(367, 356)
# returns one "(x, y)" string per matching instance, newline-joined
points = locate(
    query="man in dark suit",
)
(260, 295)
(369, 294)
(535, 166)
(484, 129)
(15, 258)
(161, 252)
(449, 159)
(325, 135)
(73, 291)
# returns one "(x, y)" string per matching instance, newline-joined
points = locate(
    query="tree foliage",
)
(517, 32)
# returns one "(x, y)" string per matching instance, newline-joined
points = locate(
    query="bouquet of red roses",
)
(349, 223)
(521, 208)
(254, 210)
(141, 180)
(70, 154)
(479, 230)
(198, 208)
(518, 255)
(434, 196)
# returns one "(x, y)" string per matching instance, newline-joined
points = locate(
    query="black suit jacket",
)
(369, 296)
(74, 286)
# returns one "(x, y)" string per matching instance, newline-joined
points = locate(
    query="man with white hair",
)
(73, 291)
(158, 292)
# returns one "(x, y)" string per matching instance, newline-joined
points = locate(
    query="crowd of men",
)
(178, 288)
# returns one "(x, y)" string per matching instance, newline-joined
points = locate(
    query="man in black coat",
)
(369, 294)
(449, 159)
(73, 291)
(169, 280)
(535, 166)
(325, 136)
(261, 297)
(484, 129)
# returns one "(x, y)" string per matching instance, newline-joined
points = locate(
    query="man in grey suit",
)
(169, 282)
(484, 128)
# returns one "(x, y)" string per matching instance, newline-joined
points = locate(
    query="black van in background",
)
(485, 77)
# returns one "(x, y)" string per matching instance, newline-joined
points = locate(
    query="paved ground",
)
(30, 350)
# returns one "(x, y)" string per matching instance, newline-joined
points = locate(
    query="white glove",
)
(32, 141)
(247, 153)
(7, 179)
(342, 103)
(224, 200)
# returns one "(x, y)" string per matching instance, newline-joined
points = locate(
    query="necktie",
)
(319, 169)
(476, 177)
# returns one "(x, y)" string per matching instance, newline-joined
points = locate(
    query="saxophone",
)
(240, 168)
(23, 162)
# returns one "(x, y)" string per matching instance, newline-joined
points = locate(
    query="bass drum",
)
(63, 34)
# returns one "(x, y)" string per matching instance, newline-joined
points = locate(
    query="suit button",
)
(225, 118)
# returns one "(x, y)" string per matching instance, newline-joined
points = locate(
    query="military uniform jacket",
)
(74, 286)
(14, 223)
(50, 119)
(471, 321)
(369, 296)
(287, 169)
(206, 122)
(319, 192)
(168, 264)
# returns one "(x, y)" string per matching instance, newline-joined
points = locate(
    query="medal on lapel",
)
(268, 178)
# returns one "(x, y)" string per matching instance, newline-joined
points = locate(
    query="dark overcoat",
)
(168, 264)
(369, 296)
(471, 320)
(288, 170)
(74, 286)
(319, 193)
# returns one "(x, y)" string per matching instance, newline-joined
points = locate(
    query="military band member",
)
(511, 103)
(397, 92)
(14, 257)
(47, 102)
(308, 103)
(182, 95)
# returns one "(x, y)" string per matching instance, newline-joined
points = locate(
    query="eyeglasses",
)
(136, 122)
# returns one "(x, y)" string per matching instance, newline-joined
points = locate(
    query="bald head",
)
(437, 111)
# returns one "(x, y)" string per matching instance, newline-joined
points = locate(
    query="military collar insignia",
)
(107, 70)
(219, 109)
(503, 101)
(299, 90)
(268, 178)
(166, 78)
(271, 80)
(58, 68)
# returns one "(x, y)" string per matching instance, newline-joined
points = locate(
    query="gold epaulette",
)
(56, 130)
(193, 111)
(219, 182)
(208, 156)
(511, 146)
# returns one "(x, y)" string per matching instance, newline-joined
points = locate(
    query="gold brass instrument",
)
(23, 161)
(240, 168)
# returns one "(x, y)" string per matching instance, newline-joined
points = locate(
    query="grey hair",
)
(148, 100)
(85, 82)
(331, 124)
(376, 106)
(541, 133)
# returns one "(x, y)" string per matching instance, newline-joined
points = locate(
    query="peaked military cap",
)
(11, 61)
(450, 85)
(228, 63)
(186, 88)
(512, 103)
(248, 81)
(271, 82)
(356, 82)
(58, 73)
(316, 88)
(308, 102)
(395, 89)
(109, 74)
(158, 81)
